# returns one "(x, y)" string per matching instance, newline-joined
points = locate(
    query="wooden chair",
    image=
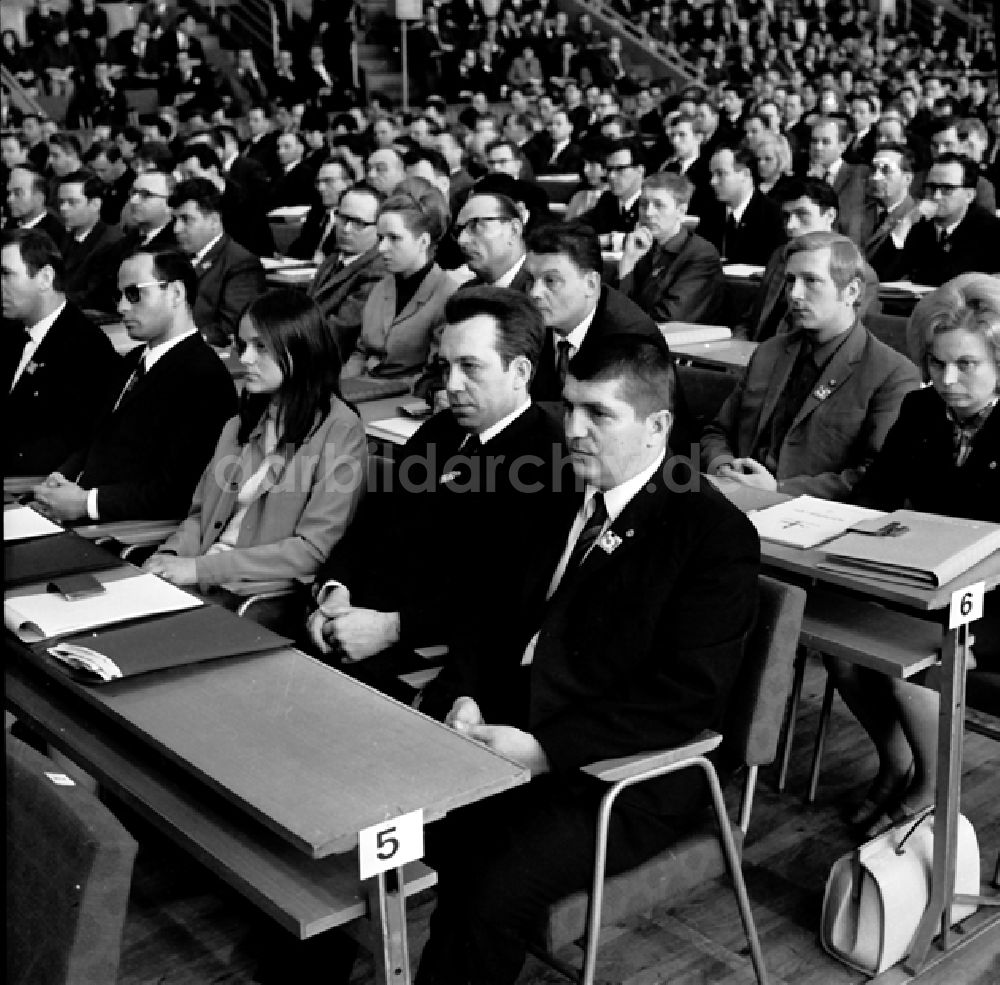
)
(705, 390)
(890, 329)
(750, 739)
(69, 872)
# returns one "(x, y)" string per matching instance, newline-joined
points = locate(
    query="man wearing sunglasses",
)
(953, 236)
(346, 277)
(162, 420)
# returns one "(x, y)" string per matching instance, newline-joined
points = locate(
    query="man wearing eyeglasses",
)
(164, 417)
(490, 234)
(953, 236)
(154, 227)
(890, 204)
(616, 210)
(318, 238)
(346, 277)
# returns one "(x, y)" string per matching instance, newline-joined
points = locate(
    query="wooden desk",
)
(283, 751)
(387, 408)
(929, 603)
(729, 355)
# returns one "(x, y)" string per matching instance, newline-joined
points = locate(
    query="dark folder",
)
(192, 636)
(358, 389)
(28, 561)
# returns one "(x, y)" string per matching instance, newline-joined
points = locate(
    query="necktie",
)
(728, 237)
(471, 445)
(562, 361)
(137, 374)
(17, 354)
(943, 238)
(592, 530)
(320, 254)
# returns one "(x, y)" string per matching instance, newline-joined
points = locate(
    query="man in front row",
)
(623, 631)
(815, 403)
(489, 469)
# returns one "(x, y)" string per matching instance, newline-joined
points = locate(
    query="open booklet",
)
(806, 521)
(42, 615)
(684, 333)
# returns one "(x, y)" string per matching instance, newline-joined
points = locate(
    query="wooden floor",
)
(185, 929)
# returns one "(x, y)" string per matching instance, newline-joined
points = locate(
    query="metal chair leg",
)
(791, 715)
(824, 723)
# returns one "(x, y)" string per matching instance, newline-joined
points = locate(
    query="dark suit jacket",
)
(264, 151)
(47, 224)
(974, 246)
(839, 428)
(862, 151)
(244, 219)
(147, 455)
(567, 161)
(850, 185)
(341, 295)
(91, 267)
(679, 281)
(304, 246)
(637, 648)
(294, 187)
(53, 409)
(607, 216)
(491, 495)
(877, 242)
(759, 232)
(228, 279)
(165, 239)
(916, 467)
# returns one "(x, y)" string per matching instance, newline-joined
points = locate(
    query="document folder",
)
(67, 553)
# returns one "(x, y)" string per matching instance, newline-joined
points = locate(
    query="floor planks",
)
(186, 929)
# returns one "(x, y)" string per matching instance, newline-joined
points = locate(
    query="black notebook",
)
(38, 560)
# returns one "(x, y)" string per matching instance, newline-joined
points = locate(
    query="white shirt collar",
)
(31, 223)
(80, 237)
(629, 202)
(504, 422)
(154, 353)
(616, 499)
(205, 250)
(507, 278)
(37, 333)
(576, 337)
(737, 213)
(834, 169)
(147, 238)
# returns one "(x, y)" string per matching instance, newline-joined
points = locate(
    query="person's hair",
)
(781, 146)
(970, 126)
(678, 186)
(220, 132)
(363, 188)
(292, 329)
(678, 117)
(866, 98)
(201, 191)
(970, 170)
(817, 190)
(170, 266)
(69, 142)
(846, 261)
(907, 159)
(645, 372)
(158, 154)
(106, 148)
(744, 159)
(505, 205)
(635, 148)
(969, 303)
(39, 186)
(575, 240)
(132, 134)
(22, 140)
(205, 155)
(37, 249)
(162, 125)
(939, 124)
(841, 123)
(345, 164)
(433, 157)
(93, 187)
(421, 206)
(520, 330)
(316, 119)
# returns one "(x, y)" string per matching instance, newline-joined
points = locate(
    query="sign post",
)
(406, 10)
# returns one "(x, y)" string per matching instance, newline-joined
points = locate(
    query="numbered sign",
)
(966, 605)
(391, 844)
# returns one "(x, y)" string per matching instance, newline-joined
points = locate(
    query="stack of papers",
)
(684, 333)
(46, 614)
(748, 270)
(397, 430)
(807, 522)
(289, 212)
(23, 522)
(904, 287)
(282, 263)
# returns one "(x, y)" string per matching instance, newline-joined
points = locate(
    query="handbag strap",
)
(916, 824)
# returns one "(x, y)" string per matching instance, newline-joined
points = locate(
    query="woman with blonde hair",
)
(774, 164)
(941, 456)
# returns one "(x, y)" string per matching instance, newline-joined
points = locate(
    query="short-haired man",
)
(565, 156)
(163, 418)
(490, 234)
(431, 165)
(154, 223)
(105, 159)
(385, 169)
(890, 204)
(669, 271)
(26, 191)
(954, 236)
(294, 184)
(616, 210)
(318, 237)
(58, 367)
(91, 247)
(688, 160)
(815, 403)
(746, 225)
(826, 161)
(944, 139)
(64, 154)
(624, 632)
(346, 277)
(864, 139)
(487, 467)
(229, 276)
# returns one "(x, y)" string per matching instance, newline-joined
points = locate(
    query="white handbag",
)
(876, 895)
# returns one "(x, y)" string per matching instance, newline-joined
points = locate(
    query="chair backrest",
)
(705, 390)
(69, 871)
(890, 329)
(757, 705)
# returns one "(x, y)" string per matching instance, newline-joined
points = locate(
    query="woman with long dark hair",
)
(288, 471)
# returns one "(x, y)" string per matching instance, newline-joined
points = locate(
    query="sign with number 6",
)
(391, 844)
(966, 605)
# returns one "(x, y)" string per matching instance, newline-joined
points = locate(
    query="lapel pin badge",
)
(609, 541)
(448, 477)
(824, 390)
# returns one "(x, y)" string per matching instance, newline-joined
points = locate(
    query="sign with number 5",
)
(391, 844)
(966, 605)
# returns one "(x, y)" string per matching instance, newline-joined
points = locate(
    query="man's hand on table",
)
(360, 633)
(749, 472)
(177, 570)
(59, 499)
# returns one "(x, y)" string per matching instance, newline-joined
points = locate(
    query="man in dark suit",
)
(616, 209)
(688, 160)
(246, 172)
(318, 236)
(154, 224)
(625, 632)
(826, 161)
(565, 155)
(295, 183)
(890, 204)
(954, 236)
(669, 271)
(816, 403)
(105, 159)
(164, 417)
(745, 226)
(346, 277)
(262, 146)
(488, 466)
(864, 140)
(229, 277)
(58, 370)
(91, 247)
(490, 234)
(26, 193)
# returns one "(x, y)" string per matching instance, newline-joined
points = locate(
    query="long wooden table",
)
(729, 355)
(926, 603)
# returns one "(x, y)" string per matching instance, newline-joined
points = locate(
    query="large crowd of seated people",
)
(507, 248)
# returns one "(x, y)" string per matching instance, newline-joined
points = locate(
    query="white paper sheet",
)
(23, 522)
